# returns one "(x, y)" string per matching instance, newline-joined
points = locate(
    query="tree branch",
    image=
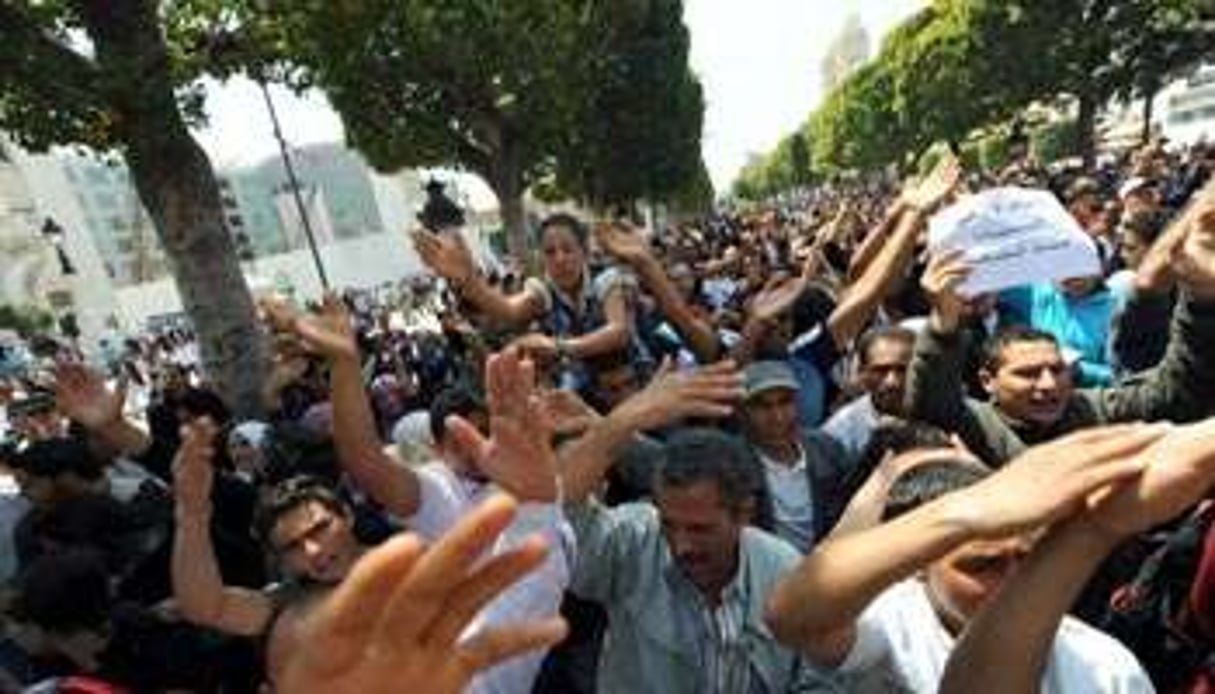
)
(33, 59)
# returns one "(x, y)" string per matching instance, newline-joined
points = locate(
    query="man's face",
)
(1131, 248)
(771, 418)
(1031, 383)
(963, 580)
(316, 542)
(884, 373)
(701, 533)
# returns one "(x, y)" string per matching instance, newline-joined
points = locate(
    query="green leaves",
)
(959, 65)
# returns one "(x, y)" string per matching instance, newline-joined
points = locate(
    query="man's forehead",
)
(1031, 350)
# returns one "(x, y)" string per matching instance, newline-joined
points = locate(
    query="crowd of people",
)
(775, 450)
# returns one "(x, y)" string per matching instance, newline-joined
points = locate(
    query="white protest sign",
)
(1011, 237)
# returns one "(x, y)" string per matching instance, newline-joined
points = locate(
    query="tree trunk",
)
(1086, 129)
(1149, 105)
(177, 185)
(506, 179)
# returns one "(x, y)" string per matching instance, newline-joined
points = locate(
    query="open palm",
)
(83, 395)
(398, 621)
(518, 455)
(622, 242)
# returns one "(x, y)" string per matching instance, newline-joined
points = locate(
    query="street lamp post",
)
(295, 185)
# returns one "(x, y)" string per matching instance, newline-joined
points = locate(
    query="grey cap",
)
(762, 376)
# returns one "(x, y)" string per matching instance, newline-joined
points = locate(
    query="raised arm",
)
(862, 298)
(935, 393)
(816, 608)
(1182, 387)
(708, 392)
(448, 256)
(1013, 634)
(873, 242)
(628, 246)
(359, 449)
(83, 396)
(197, 586)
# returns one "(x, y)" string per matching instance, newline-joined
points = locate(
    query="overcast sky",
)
(758, 60)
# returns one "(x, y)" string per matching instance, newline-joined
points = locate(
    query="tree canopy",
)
(960, 65)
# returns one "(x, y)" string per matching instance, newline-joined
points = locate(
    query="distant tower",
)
(848, 51)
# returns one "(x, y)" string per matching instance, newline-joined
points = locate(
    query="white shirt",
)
(901, 646)
(853, 424)
(792, 507)
(445, 498)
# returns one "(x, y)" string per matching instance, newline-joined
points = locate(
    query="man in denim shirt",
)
(685, 580)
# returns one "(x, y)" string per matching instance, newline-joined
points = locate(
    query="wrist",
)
(192, 517)
(1092, 534)
(943, 322)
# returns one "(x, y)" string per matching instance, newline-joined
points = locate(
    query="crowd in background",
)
(771, 450)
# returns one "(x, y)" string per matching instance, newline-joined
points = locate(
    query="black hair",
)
(700, 454)
(993, 350)
(201, 402)
(928, 482)
(898, 436)
(290, 495)
(60, 456)
(565, 221)
(65, 592)
(873, 335)
(1148, 225)
(454, 400)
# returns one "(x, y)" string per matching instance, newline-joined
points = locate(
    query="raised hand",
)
(518, 456)
(622, 242)
(1167, 258)
(399, 616)
(945, 272)
(84, 397)
(1194, 260)
(569, 413)
(776, 298)
(929, 192)
(446, 254)
(1179, 471)
(193, 474)
(1053, 481)
(328, 333)
(708, 392)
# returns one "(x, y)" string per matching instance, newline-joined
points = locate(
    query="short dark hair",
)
(60, 456)
(699, 454)
(289, 495)
(898, 436)
(874, 335)
(1148, 225)
(928, 482)
(993, 350)
(454, 400)
(565, 221)
(203, 402)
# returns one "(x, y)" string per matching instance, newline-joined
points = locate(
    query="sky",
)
(758, 61)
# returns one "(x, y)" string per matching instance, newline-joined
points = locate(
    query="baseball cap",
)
(1133, 184)
(762, 376)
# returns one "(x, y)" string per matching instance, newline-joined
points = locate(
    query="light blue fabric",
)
(1080, 324)
(655, 638)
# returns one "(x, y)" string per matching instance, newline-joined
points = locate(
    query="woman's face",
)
(564, 258)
